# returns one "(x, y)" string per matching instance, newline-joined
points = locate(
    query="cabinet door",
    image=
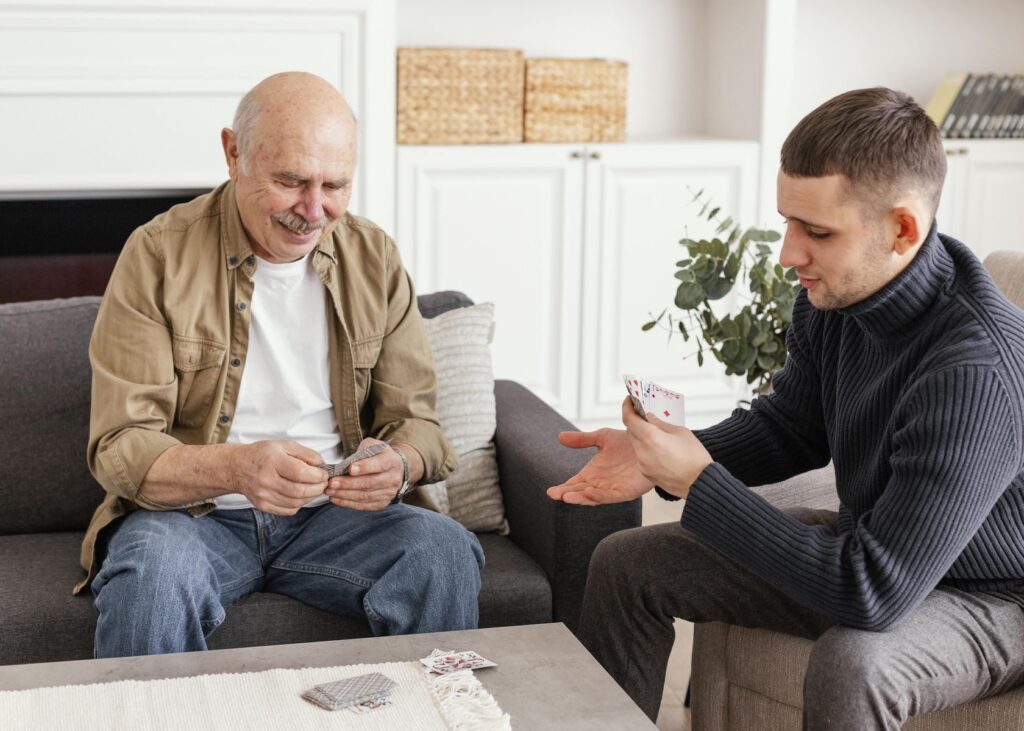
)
(503, 224)
(638, 207)
(993, 192)
(951, 212)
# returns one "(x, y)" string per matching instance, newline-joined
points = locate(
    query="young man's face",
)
(840, 254)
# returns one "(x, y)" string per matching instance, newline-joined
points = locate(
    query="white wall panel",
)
(115, 95)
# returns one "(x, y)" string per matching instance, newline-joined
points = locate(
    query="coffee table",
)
(545, 678)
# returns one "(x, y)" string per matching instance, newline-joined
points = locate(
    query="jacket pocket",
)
(197, 365)
(365, 353)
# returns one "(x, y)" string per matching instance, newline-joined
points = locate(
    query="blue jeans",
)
(168, 577)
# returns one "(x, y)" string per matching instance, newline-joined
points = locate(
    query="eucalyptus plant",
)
(750, 342)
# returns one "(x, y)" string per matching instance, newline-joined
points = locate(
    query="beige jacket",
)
(171, 337)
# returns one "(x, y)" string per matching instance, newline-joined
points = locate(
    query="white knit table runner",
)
(270, 699)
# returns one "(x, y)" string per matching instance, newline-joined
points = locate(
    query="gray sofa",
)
(753, 679)
(535, 574)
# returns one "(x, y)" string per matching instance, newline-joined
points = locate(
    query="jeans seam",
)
(324, 571)
(240, 581)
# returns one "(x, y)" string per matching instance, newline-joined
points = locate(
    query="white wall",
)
(905, 45)
(662, 40)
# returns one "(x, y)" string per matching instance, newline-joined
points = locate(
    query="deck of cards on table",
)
(449, 661)
(650, 398)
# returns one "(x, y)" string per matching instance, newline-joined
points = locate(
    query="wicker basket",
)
(459, 96)
(575, 100)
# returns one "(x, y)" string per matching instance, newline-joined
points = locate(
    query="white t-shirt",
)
(285, 391)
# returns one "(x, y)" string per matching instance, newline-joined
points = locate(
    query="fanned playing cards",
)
(650, 398)
(449, 661)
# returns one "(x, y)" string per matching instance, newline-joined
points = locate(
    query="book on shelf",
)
(944, 106)
(972, 105)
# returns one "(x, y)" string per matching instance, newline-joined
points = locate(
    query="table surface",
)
(545, 678)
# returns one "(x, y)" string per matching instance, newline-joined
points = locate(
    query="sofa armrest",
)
(815, 489)
(559, 537)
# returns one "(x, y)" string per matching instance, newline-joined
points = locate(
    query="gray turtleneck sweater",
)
(917, 396)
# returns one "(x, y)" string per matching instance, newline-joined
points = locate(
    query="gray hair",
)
(246, 114)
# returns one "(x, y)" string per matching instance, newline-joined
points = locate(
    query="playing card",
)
(648, 397)
(635, 390)
(361, 689)
(336, 470)
(666, 404)
(448, 661)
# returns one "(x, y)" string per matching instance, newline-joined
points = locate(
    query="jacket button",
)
(236, 362)
(241, 305)
(223, 419)
(232, 260)
(249, 260)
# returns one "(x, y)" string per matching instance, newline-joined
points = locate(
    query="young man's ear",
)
(909, 229)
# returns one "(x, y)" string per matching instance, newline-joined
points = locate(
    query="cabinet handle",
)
(595, 155)
(575, 154)
(952, 151)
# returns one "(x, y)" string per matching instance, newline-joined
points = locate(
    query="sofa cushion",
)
(45, 484)
(41, 621)
(460, 341)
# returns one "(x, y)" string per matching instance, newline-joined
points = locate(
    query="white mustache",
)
(298, 224)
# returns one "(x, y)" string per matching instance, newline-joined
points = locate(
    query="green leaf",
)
(732, 266)
(717, 288)
(648, 325)
(684, 275)
(700, 358)
(714, 212)
(727, 223)
(689, 295)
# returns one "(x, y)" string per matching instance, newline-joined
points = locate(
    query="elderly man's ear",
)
(228, 142)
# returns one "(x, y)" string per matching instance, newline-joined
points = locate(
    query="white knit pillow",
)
(460, 341)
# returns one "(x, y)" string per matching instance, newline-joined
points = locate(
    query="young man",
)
(246, 339)
(906, 370)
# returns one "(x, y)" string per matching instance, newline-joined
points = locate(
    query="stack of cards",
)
(361, 694)
(650, 398)
(447, 661)
(337, 470)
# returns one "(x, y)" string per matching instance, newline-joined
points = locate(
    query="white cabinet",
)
(983, 198)
(503, 224)
(575, 245)
(638, 207)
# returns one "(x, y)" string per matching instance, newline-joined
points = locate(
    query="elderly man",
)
(247, 339)
(906, 369)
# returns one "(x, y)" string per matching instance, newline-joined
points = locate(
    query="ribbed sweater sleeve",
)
(955, 446)
(783, 433)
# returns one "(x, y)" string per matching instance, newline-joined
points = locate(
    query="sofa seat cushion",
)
(766, 675)
(41, 621)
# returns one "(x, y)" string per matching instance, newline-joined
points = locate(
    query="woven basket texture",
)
(575, 100)
(459, 96)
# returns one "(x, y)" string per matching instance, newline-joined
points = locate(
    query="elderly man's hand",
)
(278, 477)
(611, 476)
(669, 456)
(371, 483)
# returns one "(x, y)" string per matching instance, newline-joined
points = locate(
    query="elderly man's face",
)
(294, 184)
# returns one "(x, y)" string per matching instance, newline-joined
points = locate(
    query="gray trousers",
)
(954, 647)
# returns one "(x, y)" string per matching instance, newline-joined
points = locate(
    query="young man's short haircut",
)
(879, 139)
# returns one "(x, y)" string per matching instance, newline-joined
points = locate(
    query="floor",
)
(673, 716)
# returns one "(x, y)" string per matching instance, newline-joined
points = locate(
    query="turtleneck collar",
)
(896, 307)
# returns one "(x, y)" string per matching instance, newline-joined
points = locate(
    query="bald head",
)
(293, 102)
